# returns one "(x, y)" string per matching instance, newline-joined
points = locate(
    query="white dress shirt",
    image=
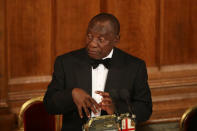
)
(99, 76)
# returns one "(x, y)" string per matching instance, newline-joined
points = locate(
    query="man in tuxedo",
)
(99, 79)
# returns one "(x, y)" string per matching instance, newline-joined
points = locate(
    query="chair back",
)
(34, 117)
(189, 120)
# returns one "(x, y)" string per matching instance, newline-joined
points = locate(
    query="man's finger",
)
(103, 94)
(94, 103)
(107, 99)
(90, 105)
(80, 111)
(106, 103)
(86, 110)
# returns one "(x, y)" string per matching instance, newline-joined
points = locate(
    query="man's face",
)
(100, 40)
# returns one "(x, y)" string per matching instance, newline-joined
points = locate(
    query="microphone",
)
(124, 95)
(114, 95)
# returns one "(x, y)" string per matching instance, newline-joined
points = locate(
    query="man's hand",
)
(106, 104)
(85, 101)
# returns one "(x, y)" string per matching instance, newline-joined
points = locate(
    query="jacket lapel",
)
(84, 72)
(114, 71)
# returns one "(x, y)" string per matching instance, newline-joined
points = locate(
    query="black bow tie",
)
(106, 62)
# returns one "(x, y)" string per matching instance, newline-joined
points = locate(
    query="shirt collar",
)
(109, 55)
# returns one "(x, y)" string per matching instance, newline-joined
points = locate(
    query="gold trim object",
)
(185, 116)
(111, 123)
(26, 105)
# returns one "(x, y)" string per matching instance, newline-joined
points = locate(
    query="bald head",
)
(106, 19)
(102, 35)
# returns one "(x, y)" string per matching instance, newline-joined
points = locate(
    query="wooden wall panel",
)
(3, 58)
(162, 32)
(28, 37)
(193, 27)
(138, 21)
(72, 20)
(169, 103)
(180, 37)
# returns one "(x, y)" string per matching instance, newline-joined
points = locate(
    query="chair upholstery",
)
(189, 120)
(33, 117)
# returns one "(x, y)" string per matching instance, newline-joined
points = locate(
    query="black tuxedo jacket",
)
(73, 70)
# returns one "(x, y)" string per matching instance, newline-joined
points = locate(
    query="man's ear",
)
(117, 39)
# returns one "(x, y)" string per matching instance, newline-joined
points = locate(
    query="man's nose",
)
(94, 43)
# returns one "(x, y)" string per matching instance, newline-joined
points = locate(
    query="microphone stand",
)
(114, 97)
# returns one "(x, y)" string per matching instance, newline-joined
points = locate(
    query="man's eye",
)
(101, 40)
(89, 37)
